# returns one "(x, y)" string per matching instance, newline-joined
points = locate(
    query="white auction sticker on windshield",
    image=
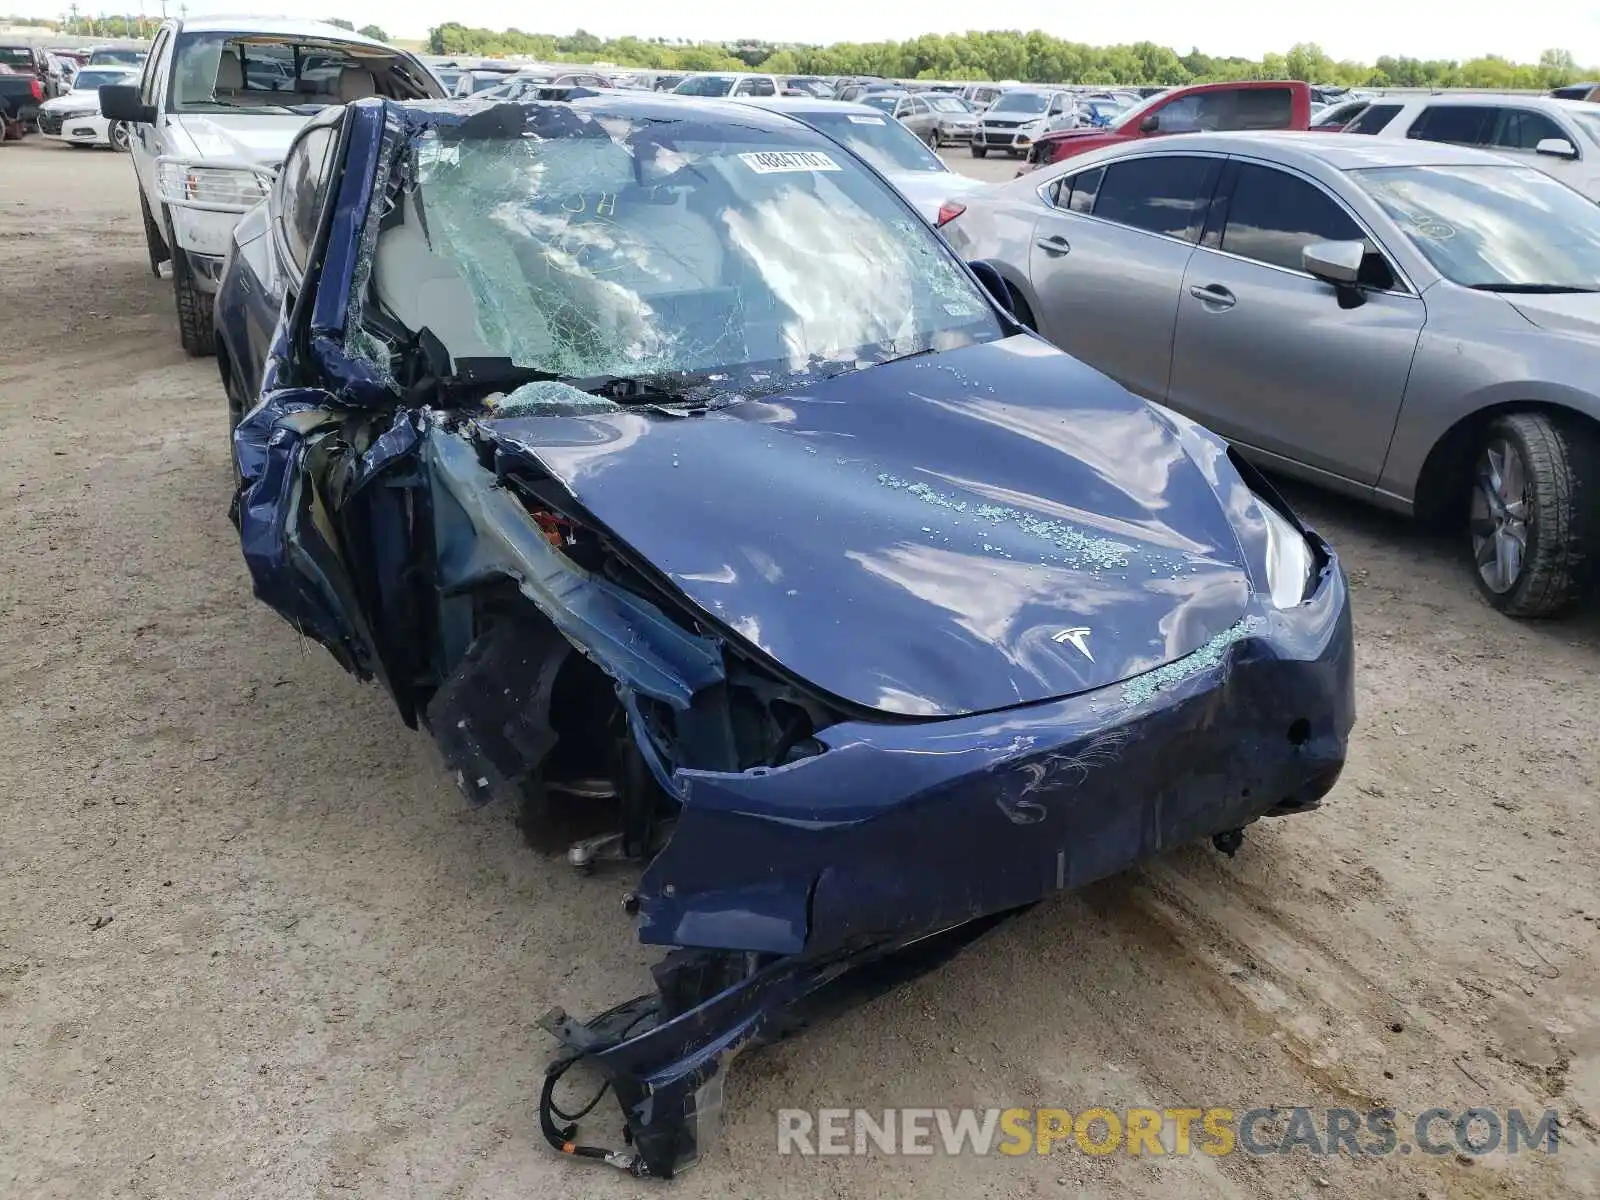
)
(855, 120)
(775, 162)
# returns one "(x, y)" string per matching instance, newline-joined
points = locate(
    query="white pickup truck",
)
(218, 104)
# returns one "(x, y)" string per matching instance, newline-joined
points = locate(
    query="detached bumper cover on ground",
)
(852, 666)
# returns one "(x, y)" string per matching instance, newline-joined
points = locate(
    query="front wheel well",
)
(1439, 499)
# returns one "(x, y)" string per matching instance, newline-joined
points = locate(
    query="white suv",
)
(212, 115)
(1559, 137)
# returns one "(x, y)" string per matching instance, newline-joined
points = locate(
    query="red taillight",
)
(948, 211)
(38, 91)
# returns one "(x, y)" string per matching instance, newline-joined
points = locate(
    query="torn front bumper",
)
(899, 832)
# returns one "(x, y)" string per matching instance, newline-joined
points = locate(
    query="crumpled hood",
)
(927, 190)
(1567, 312)
(262, 139)
(953, 533)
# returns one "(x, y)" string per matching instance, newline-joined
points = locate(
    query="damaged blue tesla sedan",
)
(661, 462)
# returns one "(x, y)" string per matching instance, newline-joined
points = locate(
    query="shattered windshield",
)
(583, 245)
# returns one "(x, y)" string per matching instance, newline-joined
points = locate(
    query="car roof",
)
(1340, 151)
(801, 105)
(659, 106)
(1501, 100)
(284, 26)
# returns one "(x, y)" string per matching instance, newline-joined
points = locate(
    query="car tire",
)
(194, 310)
(1020, 309)
(155, 245)
(933, 140)
(979, 151)
(119, 137)
(1534, 513)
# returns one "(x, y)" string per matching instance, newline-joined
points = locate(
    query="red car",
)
(1209, 107)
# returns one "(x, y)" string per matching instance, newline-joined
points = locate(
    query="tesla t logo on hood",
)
(1078, 635)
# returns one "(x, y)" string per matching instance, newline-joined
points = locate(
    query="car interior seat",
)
(355, 83)
(230, 75)
(423, 289)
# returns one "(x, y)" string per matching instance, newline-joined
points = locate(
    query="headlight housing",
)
(227, 188)
(1291, 564)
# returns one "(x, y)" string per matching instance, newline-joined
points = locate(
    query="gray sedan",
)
(867, 130)
(1414, 324)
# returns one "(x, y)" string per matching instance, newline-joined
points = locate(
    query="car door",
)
(1269, 356)
(1061, 114)
(1107, 260)
(299, 194)
(1517, 133)
(921, 118)
(146, 144)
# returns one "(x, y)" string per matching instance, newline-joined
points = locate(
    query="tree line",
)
(1034, 57)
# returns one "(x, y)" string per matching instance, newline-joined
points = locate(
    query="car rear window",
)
(1462, 124)
(1261, 108)
(16, 56)
(1373, 119)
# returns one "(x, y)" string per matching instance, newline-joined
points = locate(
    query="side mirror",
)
(120, 102)
(994, 283)
(1150, 124)
(1556, 148)
(1338, 263)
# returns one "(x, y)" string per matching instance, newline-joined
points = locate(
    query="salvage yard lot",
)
(253, 943)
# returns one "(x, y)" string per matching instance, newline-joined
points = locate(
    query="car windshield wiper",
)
(629, 389)
(1532, 289)
(240, 107)
(503, 374)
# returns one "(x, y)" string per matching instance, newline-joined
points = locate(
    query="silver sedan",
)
(1414, 324)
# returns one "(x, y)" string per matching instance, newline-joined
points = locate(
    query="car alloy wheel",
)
(933, 140)
(119, 136)
(1501, 516)
(1534, 512)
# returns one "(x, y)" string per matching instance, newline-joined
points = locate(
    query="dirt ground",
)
(253, 943)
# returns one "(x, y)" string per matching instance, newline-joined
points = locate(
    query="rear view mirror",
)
(1150, 124)
(1556, 148)
(120, 102)
(1334, 262)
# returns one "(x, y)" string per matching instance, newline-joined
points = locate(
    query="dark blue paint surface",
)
(913, 537)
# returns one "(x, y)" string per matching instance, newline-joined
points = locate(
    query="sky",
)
(1355, 29)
